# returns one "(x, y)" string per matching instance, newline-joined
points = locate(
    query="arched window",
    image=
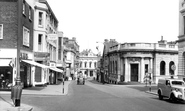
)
(162, 68)
(170, 68)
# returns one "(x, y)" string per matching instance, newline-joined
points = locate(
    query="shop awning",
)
(56, 69)
(35, 63)
(5, 62)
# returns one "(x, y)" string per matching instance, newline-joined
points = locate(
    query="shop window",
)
(5, 78)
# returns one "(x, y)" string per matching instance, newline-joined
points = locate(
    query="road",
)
(94, 96)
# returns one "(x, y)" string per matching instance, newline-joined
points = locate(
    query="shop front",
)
(55, 74)
(6, 77)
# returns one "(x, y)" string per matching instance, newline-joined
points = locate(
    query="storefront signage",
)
(52, 37)
(24, 56)
(41, 54)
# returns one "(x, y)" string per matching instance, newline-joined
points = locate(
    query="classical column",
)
(151, 68)
(121, 68)
(126, 70)
(142, 74)
(118, 68)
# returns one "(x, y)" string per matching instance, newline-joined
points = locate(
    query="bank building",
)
(133, 62)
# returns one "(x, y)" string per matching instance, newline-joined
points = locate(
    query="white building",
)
(88, 63)
(44, 45)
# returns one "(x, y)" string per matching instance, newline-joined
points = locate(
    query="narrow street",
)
(94, 96)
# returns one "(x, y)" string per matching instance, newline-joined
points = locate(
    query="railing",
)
(149, 46)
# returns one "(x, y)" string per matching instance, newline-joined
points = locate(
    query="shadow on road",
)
(167, 100)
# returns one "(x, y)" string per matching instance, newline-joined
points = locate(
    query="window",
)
(171, 66)
(1, 31)
(24, 8)
(94, 64)
(81, 64)
(40, 18)
(90, 64)
(85, 64)
(26, 37)
(162, 68)
(40, 42)
(30, 13)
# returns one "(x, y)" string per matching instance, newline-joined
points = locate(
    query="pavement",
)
(49, 90)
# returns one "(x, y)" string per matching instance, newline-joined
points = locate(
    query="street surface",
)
(94, 96)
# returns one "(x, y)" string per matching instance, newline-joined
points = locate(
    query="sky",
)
(92, 21)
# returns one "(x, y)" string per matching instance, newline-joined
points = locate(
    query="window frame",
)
(24, 8)
(1, 36)
(30, 13)
(26, 41)
(40, 18)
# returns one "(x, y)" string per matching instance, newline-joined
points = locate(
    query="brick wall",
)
(8, 17)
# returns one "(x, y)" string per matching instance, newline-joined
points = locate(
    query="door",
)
(134, 72)
(38, 74)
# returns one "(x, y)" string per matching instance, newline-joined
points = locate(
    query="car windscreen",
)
(177, 83)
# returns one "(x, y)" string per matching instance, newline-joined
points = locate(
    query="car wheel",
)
(160, 96)
(172, 98)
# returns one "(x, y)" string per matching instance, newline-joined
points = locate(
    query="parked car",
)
(173, 89)
(80, 79)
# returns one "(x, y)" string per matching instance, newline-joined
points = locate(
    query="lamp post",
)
(16, 90)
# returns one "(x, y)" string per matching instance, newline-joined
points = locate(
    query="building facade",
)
(134, 62)
(29, 31)
(16, 40)
(71, 55)
(45, 43)
(181, 39)
(88, 63)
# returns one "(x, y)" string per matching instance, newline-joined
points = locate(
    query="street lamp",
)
(16, 90)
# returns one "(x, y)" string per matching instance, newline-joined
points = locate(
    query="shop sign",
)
(41, 54)
(52, 37)
(24, 56)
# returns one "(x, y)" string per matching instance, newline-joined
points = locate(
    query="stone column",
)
(142, 74)
(126, 70)
(151, 68)
(121, 68)
(118, 68)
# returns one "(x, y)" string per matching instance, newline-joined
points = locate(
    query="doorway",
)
(134, 72)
